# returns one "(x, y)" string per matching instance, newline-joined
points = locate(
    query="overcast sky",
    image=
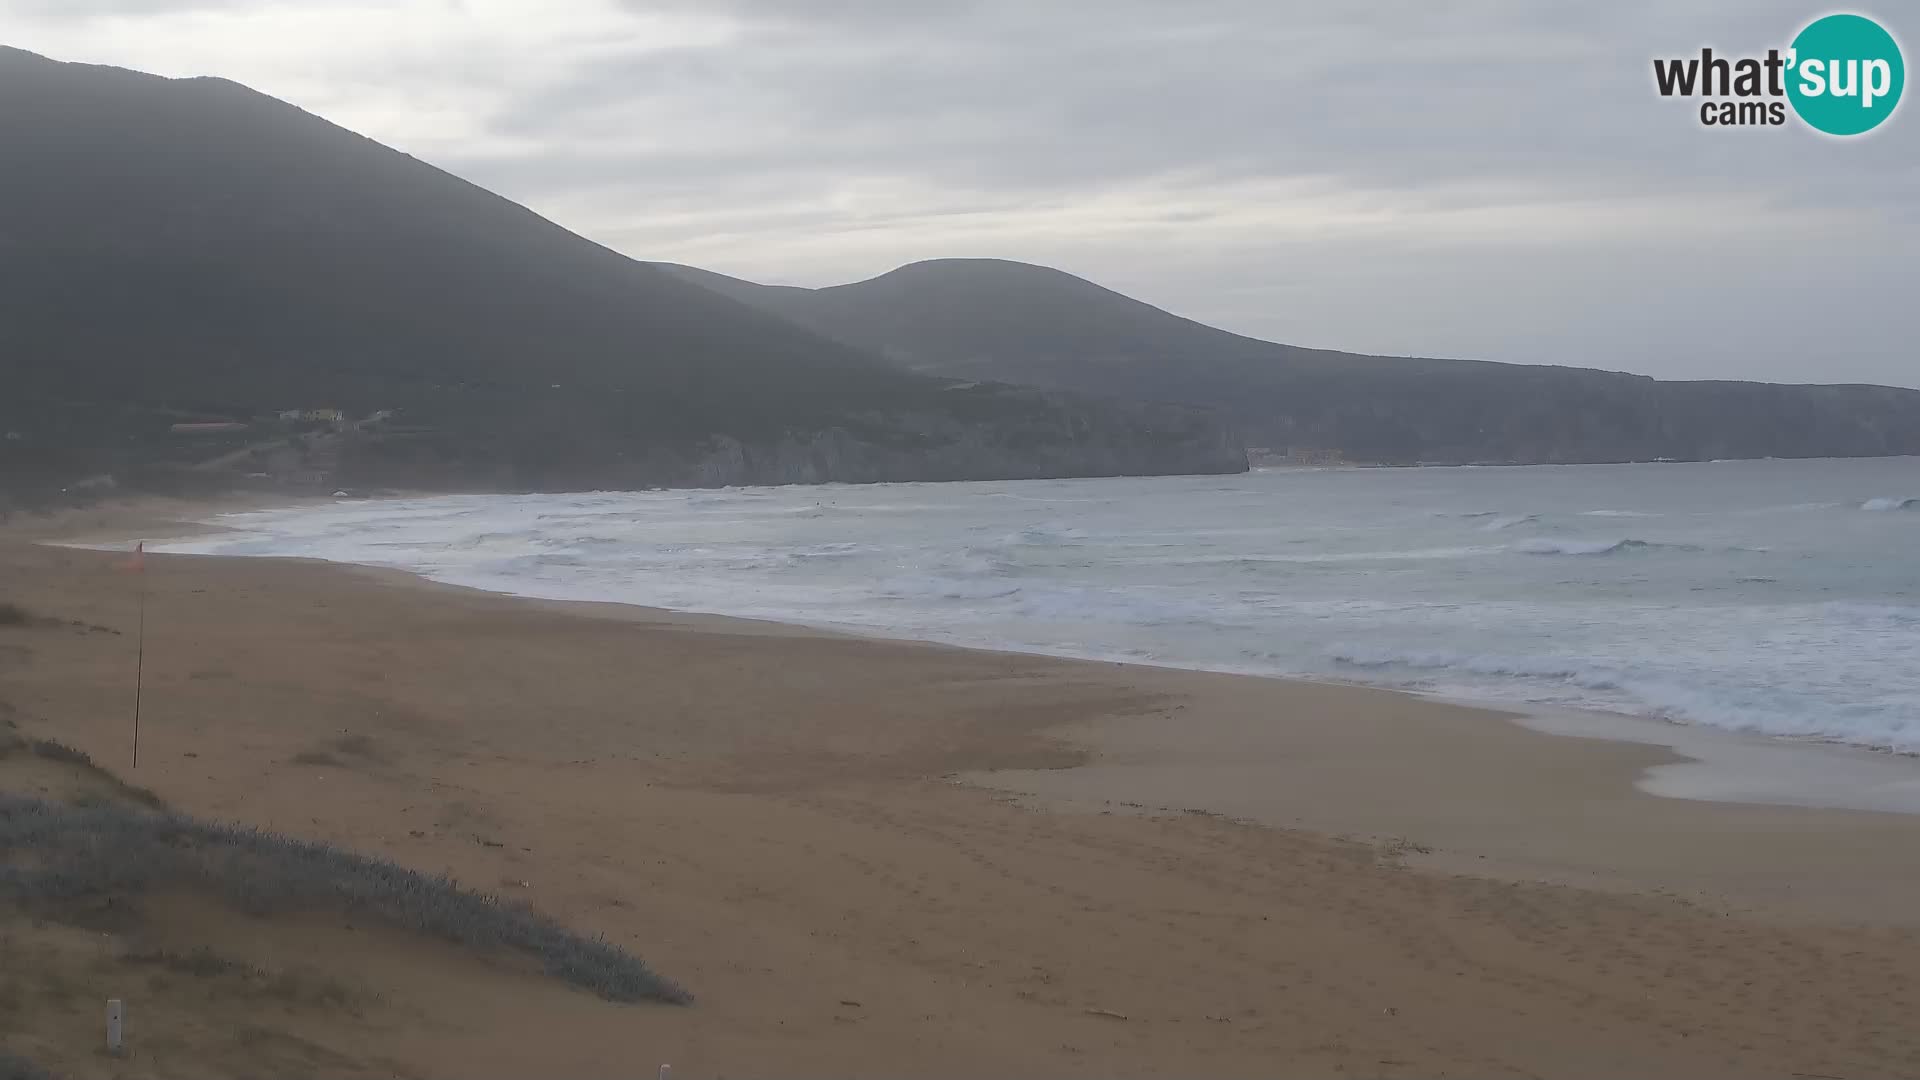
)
(1491, 178)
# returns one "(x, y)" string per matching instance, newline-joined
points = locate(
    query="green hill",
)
(190, 250)
(992, 319)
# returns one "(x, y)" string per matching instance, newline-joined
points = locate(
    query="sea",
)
(1776, 597)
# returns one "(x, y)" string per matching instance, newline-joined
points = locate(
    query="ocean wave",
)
(1902, 614)
(1791, 508)
(1047, 535)
(1552, 545)
(941, 587)
(1911, 502)
(1050, 501)
(1591, 678)
(1786, 715)
(722, 496)
(1172, 574)
(1508, 521)
(977, 560)
(1265, 562)
(1006, 600)
(1546, 545)
(843, 550)
(1635, 692)
(587, 540)
(1415, 554)
(1122, 607)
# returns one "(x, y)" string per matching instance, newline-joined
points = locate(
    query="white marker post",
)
(116, 1022)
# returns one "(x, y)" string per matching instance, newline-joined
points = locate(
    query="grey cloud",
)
(1050, 100)
(84, 9)
(990, 107)
(1537, 201)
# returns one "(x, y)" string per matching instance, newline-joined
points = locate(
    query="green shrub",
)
(57, 751)
(82, 853)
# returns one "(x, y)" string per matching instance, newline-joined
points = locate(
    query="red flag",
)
(136, 562)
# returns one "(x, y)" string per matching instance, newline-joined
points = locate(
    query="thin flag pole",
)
(137, 565)
(139, 667)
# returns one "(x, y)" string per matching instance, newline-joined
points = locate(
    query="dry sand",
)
(799, 828)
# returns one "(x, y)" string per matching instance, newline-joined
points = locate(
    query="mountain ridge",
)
(190, 246)
(999, 319)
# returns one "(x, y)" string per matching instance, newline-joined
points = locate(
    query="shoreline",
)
(1621, 758)
(1746, 767)
(869, 858)
(1714, 764)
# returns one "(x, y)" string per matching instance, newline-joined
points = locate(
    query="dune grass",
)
(292, 985)
(54, 857)
(50, 750)
(59, 751)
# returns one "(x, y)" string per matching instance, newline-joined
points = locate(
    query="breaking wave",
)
(1442, 660)
(1508, 521)
(1617, 513)
(1645, 693)
(1550, 545)
(1450, 585)
(1050, 534)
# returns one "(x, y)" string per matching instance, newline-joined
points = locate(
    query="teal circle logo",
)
(1845, 74)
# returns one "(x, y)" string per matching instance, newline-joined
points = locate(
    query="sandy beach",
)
(870, 858)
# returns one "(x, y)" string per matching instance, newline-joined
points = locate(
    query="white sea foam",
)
(1617, 513)
(1726, 607)
(1557, 545)
(1908, 503)
(1361, 656)
(1051, 532)
(1904, 614)
(1646, 692)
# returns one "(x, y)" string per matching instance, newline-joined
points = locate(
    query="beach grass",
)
(55, 858)
(300, 986)
(55, 751)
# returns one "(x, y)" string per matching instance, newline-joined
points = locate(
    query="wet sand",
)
(872, 858)
(1472, 790)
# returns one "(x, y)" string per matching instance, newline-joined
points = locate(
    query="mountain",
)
(192, 251)
(992, 319)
